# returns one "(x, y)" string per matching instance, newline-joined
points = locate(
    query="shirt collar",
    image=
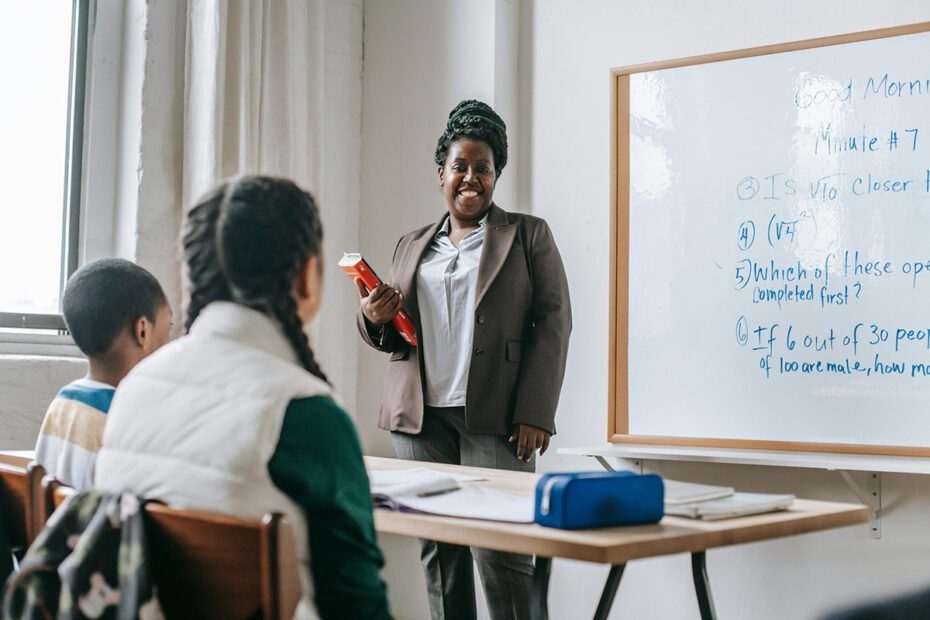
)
(445, 228)
(90, 383)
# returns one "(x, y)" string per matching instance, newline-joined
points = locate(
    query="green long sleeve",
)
(318, 464)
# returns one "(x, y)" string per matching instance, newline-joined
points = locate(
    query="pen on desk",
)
(439, 492)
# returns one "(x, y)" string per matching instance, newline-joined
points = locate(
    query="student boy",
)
(117, 314)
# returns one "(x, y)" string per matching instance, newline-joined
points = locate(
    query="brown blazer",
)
(522, 324)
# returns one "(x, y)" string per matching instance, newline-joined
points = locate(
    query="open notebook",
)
(453, 495)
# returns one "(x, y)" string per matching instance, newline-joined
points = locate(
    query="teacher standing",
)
(487, 293)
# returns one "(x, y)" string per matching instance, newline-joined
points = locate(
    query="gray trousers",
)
(450, 579)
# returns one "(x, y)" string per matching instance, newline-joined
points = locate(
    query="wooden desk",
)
(614, 546)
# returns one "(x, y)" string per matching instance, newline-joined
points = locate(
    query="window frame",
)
(73, 173)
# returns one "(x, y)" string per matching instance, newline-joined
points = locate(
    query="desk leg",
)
(610, 591)
(539, 604)
(702, 585)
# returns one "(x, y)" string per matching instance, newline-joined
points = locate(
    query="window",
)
(43, 52)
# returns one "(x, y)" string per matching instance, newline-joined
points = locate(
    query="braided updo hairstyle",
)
(246, 242)
(474, 120)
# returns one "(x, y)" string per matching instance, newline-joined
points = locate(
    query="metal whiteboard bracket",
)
(871, 497)
(636, 463)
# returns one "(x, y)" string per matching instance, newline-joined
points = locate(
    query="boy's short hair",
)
(105, 297)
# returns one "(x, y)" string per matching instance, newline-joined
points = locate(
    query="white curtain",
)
(254, 102)
(251, 101)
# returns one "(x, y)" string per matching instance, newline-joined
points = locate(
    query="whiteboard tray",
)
(806, 460)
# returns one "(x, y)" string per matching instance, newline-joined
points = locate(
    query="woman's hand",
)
(529, 439)
(382, 304)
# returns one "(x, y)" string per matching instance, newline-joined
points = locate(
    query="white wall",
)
(420, 59)
(28, 383)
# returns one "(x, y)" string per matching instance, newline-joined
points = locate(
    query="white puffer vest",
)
(196, 423)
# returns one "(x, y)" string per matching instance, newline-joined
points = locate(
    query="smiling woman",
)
(488, 296)
(467, 181)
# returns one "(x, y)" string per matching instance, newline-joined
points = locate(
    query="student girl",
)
(237, 417)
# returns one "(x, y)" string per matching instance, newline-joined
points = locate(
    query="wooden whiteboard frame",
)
(618, 421)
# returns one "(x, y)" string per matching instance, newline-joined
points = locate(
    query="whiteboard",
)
(778, 263)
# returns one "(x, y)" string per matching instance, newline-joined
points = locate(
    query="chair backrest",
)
(20, 488)
(213, 566)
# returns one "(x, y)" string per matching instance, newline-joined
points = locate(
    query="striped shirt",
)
(72, 432)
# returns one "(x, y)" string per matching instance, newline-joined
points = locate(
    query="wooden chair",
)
(20, 489)
(213, 566)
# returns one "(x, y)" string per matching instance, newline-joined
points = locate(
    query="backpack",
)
(89, 562)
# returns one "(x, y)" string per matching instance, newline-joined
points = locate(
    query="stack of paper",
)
(474, 502)
(688, 492)
(704, 501)
(736, 505)
(420, 480)
(434, 492)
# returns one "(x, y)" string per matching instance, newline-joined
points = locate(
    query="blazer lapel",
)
(498, 238)
(407, 270)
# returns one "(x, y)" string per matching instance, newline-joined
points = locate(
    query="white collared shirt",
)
(446, 282)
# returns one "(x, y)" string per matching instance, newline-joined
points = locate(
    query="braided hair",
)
(246, 242)
(474, 120)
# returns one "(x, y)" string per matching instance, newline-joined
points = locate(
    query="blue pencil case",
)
(598, 499)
